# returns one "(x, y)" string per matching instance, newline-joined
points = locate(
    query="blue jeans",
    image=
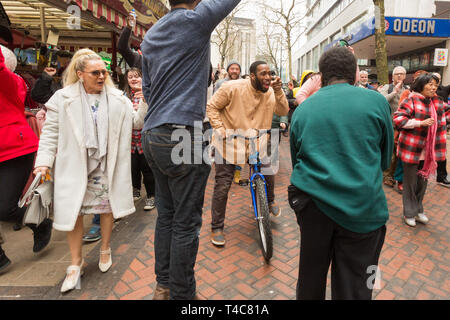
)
(180, 192)
(96, 219)
(398, 175)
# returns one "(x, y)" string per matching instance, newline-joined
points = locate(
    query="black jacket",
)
(443, 92)
(44, 88)
(133, 59)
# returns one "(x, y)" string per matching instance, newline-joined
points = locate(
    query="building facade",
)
(242, 45)
(414, 30)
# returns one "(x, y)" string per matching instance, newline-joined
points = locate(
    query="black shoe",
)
(4, 261)
(41, 234)
(17, 226)
(443, 182)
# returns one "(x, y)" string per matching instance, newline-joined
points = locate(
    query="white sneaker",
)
(410, 222)
(422, 218)
(149, 204)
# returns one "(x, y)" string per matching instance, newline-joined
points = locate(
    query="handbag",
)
(39, 201)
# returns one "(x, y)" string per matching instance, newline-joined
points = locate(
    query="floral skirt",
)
(96, 199)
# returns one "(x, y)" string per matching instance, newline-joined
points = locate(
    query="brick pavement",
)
(415, 263)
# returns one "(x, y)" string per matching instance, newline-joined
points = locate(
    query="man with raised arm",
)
(176, 68)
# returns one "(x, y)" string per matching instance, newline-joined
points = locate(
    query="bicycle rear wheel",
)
(263, 220)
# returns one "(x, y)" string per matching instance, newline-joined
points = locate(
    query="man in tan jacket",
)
(241, 105)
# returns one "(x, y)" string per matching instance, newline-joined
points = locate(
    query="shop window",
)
(406, 63)
(425, 60)
(415, 62)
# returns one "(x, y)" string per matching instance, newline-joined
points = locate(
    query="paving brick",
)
(404, 274)
(121, 288)
(424, 295)
(414, 262)
(245, 289)
(138, 294)
(385, 295)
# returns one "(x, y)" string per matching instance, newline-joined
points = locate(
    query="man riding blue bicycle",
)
(237, 107)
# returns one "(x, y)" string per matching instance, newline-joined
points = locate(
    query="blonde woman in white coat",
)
(85, 141)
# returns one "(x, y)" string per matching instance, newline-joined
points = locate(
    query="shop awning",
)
(98, 19)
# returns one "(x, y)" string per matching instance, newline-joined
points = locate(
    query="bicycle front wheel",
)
(263, 219)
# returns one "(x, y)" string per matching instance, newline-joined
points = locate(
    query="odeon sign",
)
(414, 26)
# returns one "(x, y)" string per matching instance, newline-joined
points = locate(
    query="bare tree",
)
(226, 33)
(288, 16)
(380, 43)
(270, 45)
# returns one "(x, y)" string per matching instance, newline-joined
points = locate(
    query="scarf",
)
(95, 130)
(430, 164)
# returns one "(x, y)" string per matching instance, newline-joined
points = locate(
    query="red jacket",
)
(16, 137)
(412, 141)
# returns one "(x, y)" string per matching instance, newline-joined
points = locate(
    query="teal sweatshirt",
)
(341, 141)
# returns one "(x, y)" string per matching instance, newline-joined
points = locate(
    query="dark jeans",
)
(224, 178)
(441, 172)
(353, 257)
(14, 175)
(180, 192)
(139, 168)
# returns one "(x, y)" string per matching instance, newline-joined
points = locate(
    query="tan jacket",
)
(239, 106)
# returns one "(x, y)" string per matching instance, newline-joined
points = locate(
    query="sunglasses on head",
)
(97, 73)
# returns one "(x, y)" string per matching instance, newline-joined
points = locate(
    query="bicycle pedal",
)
(243, 183)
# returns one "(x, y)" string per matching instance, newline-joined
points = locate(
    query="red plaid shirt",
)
(411, 142)
(136, 137)
(136, 142)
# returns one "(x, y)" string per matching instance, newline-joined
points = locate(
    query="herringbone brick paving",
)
(414, 263)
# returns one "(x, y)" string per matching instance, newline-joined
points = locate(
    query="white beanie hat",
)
(10, 58)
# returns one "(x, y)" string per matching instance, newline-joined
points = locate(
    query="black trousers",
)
(139, 165)
(441, 172)
(353, 257)
(14, 175)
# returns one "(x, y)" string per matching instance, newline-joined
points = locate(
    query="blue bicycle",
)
(258, 190)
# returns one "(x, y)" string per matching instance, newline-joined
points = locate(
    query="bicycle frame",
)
(255, 165)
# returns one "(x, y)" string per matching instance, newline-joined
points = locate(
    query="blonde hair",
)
(78, 63)
(10, 58)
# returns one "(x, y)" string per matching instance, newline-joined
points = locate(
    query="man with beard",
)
(241, 105)
(233, 73)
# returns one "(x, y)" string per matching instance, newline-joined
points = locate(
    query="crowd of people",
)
(98, 140)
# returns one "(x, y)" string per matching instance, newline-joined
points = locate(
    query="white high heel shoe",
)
(105, 266)
(73, 278)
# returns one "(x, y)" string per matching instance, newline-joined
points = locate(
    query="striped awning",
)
(100, 10)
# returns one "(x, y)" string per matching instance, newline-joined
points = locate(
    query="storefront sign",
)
(441, 57)
(418, 27)
(396, 26)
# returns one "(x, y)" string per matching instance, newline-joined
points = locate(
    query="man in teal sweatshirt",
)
(341, 141)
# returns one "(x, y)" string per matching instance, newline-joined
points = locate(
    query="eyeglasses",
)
(96, 73)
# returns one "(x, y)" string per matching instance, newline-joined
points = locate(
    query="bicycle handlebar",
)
(261, 132)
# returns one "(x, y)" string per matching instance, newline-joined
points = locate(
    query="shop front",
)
(410, 42)
(46, 32)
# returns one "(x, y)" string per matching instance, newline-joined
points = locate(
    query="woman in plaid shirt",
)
(139, 165)
(421, 120)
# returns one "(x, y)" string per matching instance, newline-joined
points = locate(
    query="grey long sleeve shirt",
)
(176, 63)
